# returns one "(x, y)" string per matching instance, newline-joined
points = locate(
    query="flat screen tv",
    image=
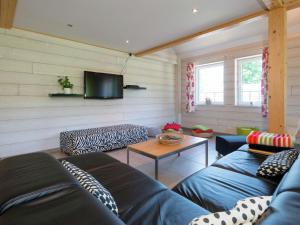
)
(102, 85)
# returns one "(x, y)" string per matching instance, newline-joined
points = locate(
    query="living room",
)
(191, 89)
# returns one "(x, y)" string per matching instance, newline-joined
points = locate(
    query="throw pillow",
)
(88, 182)
(277, 164)
(246, 211)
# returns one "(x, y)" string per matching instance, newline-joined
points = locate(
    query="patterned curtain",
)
(264, 83)
(190, 87)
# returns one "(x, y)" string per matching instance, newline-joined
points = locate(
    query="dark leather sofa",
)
(233, 177)
(36, 190)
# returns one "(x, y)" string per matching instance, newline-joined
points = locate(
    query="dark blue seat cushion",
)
(226, 144)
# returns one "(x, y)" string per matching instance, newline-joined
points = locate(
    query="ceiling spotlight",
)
(127, 41)
(69, 25)
(195, 10)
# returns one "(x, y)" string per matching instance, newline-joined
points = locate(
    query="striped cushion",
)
(270, 139)
(88, 182)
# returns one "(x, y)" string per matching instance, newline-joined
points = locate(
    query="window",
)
(210, 83)
(248, 80)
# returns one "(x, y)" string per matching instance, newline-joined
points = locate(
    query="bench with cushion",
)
(101, 139)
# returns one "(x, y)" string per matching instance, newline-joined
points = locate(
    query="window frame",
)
(238, 79)
(197, 92)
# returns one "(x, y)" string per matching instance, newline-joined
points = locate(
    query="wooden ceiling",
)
(8, 8)
(269, 4)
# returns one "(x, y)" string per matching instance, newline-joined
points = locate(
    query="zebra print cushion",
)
(101, 139)
(89, 183)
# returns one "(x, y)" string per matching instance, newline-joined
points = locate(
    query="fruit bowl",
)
(170, 138)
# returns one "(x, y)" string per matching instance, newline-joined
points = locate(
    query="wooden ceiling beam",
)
(270, 4)
(200, 33)
(7, 13)
(273, 4)
(291, 4)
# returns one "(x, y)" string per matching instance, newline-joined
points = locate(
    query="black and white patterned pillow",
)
(245, 212)
(88, 182)
(277, 164)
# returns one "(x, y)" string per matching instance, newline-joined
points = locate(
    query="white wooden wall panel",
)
(29, 65)
(227, 117)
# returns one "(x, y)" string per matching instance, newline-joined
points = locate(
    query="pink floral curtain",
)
(190, 87)
(264, 83)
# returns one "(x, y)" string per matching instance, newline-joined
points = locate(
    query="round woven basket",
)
(203, 135)
(178, 138)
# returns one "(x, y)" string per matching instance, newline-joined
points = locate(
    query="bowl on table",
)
(170, 138)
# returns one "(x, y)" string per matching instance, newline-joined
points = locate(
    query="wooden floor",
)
(171, 170)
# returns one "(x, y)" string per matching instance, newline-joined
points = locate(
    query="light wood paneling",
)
(29, 66)
(227, 117)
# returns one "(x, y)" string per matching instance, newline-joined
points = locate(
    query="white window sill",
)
(248, 106)
(213, 104)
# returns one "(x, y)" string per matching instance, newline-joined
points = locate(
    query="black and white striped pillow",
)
(277, 164)
(88, 182)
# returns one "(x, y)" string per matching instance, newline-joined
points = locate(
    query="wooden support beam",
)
(200, 33)
(273, 4)
(7, 13)
(291, 4)
(277, 69)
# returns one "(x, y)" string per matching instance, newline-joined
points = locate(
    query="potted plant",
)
(65, 84)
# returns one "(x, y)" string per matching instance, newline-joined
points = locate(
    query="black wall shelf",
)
(134, 87)
(65, 95)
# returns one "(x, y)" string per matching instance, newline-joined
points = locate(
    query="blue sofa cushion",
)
(226, 144)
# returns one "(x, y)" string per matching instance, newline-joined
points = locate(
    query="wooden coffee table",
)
(153, 149)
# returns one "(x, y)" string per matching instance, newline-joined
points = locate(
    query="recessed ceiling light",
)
(127, 41)
(69, 25)
(195, 10)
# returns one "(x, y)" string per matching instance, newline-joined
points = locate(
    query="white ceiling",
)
(250, 32)
(146, 23)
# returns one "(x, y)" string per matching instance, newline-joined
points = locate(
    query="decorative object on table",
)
(170, 138)
(277, 164)
(65, 84)
(172, 127)
(246, 211)
(207, 101)
(202, 131)
(245, 130)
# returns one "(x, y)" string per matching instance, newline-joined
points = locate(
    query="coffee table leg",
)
(127, 156)
(206, 153)
(156, 169)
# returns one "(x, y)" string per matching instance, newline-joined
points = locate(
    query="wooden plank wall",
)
(227, 117)
(29, 66)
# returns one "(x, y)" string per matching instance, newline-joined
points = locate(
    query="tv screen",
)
(102, 85)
